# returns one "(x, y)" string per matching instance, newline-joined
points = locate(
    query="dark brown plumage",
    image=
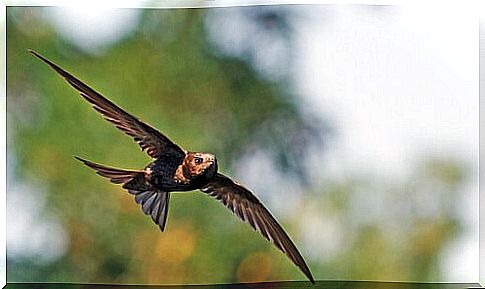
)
(174, 169)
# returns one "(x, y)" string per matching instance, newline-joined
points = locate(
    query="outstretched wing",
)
(117, 176)
(247, 207)
(153, 202)
(155, 143)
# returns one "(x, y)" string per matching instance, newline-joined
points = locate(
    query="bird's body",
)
(176, 170)
(161, 174)
(172, 173)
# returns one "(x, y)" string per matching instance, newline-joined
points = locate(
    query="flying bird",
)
(174, 169)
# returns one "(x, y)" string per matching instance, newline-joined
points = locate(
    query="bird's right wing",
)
(155, 143)
(248, 208)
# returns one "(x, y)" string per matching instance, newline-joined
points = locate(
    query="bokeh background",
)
(357, 126)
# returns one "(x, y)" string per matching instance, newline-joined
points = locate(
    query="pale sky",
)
(399, 83)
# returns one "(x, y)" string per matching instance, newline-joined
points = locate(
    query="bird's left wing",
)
(155, 143)
(247, 207)
(153, 202)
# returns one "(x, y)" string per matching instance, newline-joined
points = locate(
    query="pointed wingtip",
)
(306, 270)
(86, 162)
(308, 274)
(38, 55)
(50, 63)
(79, 159)
(312, 281)
(33, 52)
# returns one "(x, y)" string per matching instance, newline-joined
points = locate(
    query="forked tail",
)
(154, 202)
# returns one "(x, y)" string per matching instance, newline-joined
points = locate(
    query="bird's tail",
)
(117, 176)
(153, 201)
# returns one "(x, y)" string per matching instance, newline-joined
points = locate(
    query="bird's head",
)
(200, 164)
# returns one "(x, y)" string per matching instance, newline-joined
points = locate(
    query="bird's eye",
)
(198, 160)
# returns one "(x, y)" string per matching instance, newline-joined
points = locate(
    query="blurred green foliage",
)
(168, 74)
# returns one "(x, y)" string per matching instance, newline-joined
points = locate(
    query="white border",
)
(481, 228)
(480, 8)
(3, 145)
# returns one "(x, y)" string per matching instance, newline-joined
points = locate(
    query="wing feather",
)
(249, 209)
(148, 138)
(117, 176)
(153, 202)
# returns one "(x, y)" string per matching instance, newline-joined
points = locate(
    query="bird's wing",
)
(247, 207)
(153, 202)
(155, 143)
(117, 176)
